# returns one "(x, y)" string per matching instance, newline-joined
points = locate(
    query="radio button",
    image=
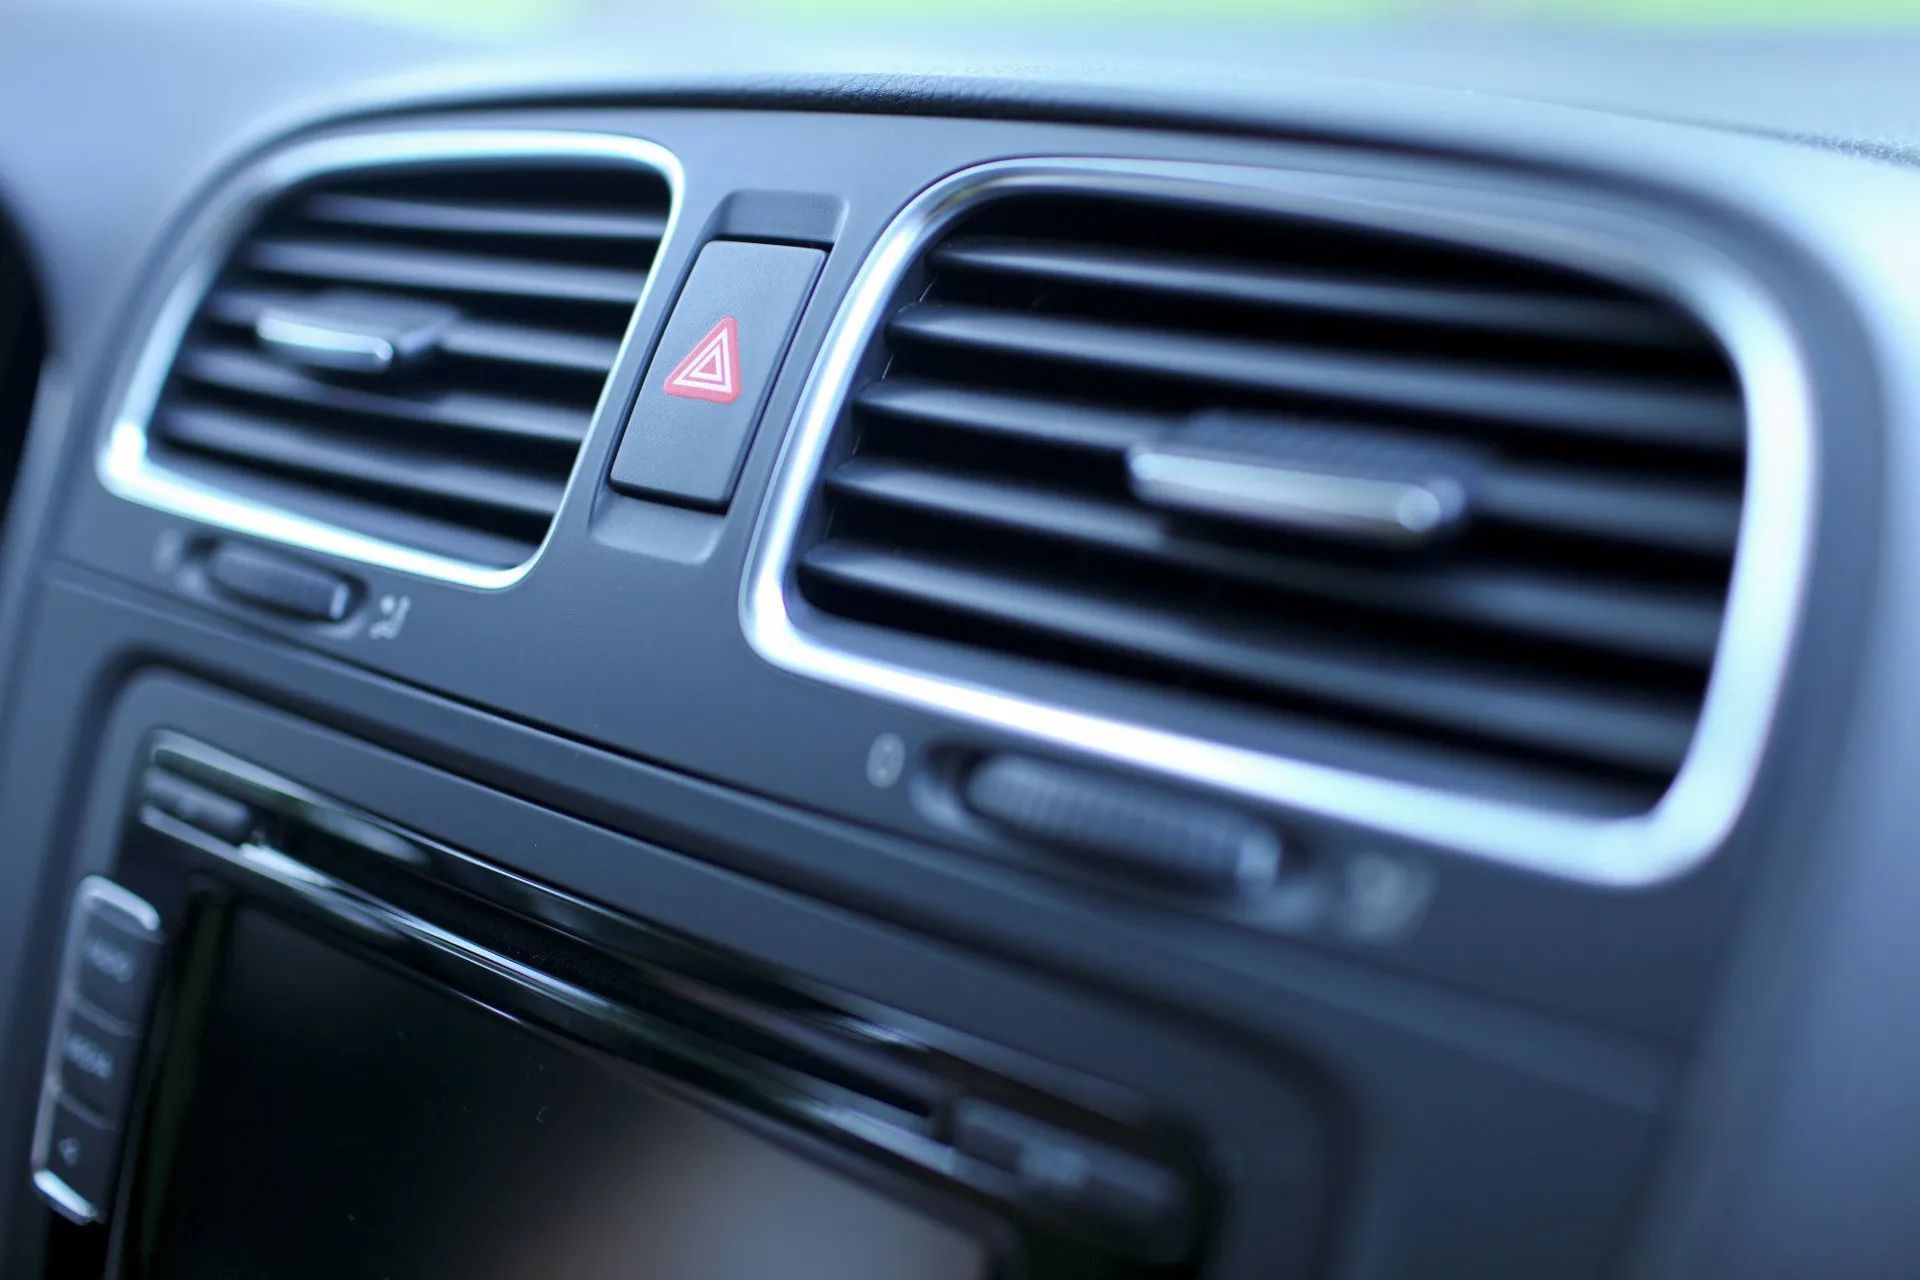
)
(81, 1154)
(113, 967)
(96, 1062)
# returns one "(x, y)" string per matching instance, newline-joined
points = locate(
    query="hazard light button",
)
(697, 410)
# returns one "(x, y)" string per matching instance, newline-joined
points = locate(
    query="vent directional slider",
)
(1342, 485)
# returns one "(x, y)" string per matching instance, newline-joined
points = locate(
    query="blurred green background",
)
(510, 17)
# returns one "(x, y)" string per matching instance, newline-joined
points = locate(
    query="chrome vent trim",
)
(1695, 813)
(125, 464)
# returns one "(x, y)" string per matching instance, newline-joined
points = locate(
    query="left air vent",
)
(408, 353)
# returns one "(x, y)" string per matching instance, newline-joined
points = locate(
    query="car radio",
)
(294, 1038)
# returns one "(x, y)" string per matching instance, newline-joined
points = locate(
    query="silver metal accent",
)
(127, 468)
(92, 890)
(1769, 577)
(1393, 513)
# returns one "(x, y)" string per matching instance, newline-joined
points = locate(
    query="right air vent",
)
(1323, 487)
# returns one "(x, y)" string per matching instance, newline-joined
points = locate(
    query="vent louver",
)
(413, 353)
(1322, 488)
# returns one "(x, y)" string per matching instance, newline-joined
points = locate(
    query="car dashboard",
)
(1161, 652)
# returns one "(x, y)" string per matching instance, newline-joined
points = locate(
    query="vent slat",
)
(475, 339)
(1664, 625)
(1521, 398)
(1025, 418)
(241, 371)
(374, 513)
(269, 443)
(446, 272)
(482, 218)
(1686, 517)
(1614, 729)
(1191, 277)
(1664, 514)
(527, 345)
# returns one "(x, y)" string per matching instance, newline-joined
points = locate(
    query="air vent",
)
(1353, 492)
(411, 351)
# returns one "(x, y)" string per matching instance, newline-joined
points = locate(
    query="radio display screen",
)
(348, 1120)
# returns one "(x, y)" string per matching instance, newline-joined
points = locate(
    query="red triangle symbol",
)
(711, 370)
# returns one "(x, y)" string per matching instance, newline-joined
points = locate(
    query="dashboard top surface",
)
(1844, 85)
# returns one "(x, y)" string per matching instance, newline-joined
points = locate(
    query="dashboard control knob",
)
(1119, 825)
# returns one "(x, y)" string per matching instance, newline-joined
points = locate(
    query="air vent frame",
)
(1768, 583)
(124, 463)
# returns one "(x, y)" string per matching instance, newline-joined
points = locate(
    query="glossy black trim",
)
(867, 1089)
